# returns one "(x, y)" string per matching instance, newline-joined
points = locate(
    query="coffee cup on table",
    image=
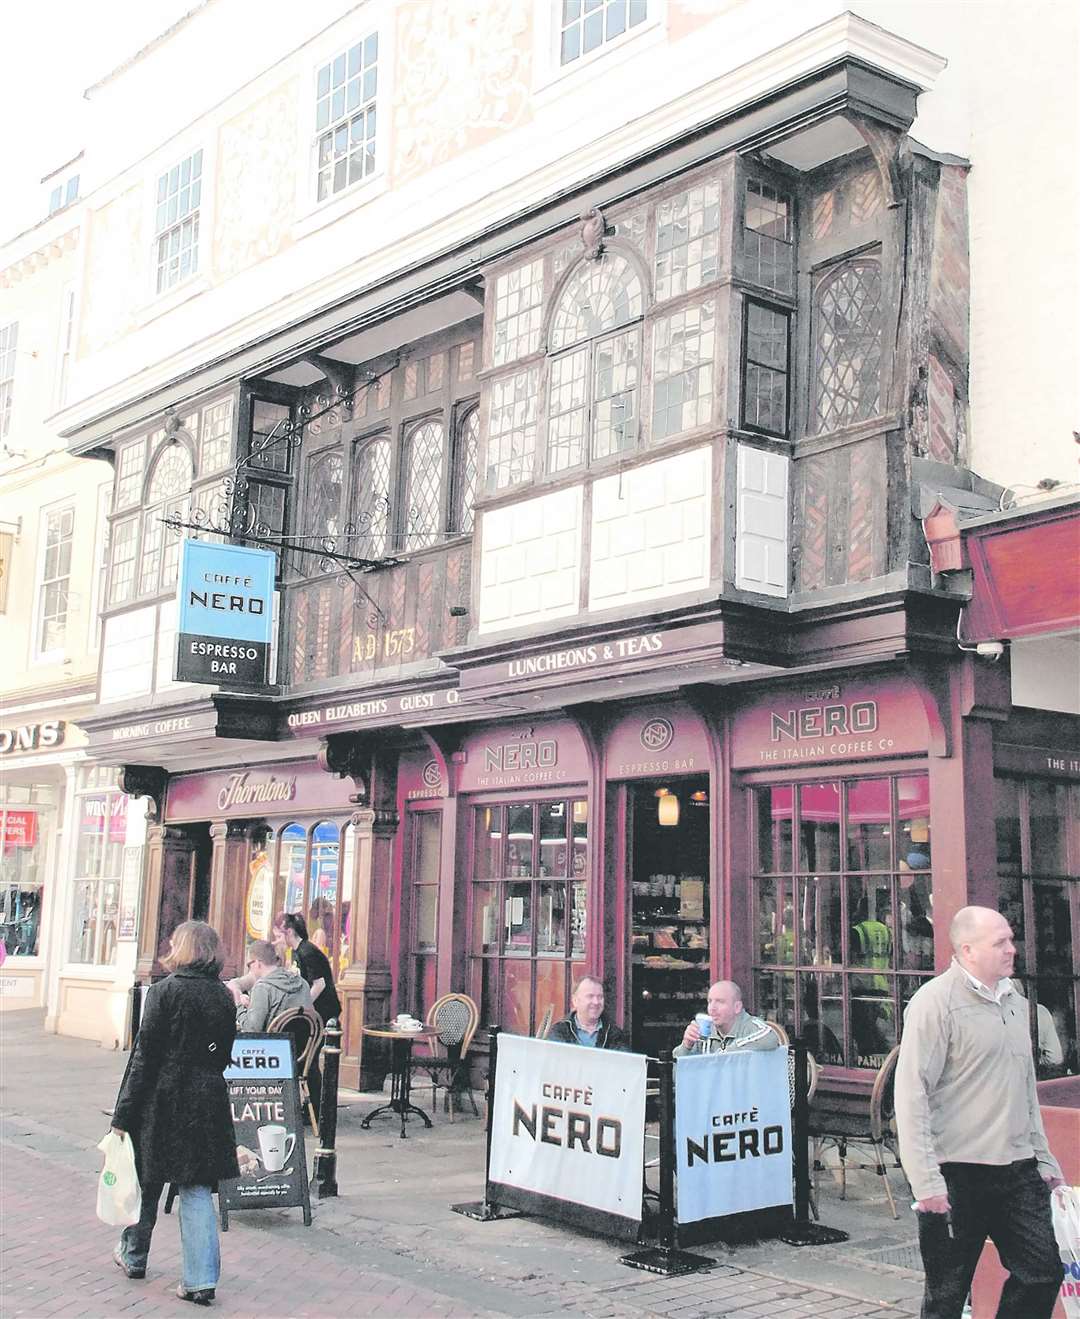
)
(704, 1024)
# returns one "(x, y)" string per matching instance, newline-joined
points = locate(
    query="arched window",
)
(847, 345)
(371, 498)
(322, 511)
(466, 460)
(595, 365)
(424, 463)
(169, 494)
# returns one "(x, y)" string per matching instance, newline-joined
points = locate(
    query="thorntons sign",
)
(242, 790)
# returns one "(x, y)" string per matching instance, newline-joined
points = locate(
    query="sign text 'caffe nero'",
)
(226, 614)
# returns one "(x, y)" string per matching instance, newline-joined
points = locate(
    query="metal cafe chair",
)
(306, 1030)
(860, 1124)
(545, 1023)
(455, 1018)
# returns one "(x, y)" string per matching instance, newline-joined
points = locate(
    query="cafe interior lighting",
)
(667, 809)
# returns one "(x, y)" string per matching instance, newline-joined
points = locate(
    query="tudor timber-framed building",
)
(653, 673)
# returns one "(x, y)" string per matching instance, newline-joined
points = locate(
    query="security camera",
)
(991, 650)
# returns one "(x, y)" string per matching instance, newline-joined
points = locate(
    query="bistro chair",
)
(780, 1033)
(860, 1124)
(545, 1023)
(306, 1030)
(455, 1018)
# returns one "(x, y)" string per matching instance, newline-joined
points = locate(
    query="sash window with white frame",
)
(176, 222)
(345, 117)
(58, 533)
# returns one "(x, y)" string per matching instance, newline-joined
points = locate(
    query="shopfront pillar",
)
(230, 850)
(170, 866)
(972, 696)
(365, 988)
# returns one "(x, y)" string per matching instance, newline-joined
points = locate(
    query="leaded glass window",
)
(270, 448)
(765, 379)
(423, 486)
(176, 222)
(847, 342)
(124, 544)
(168, 496)
(768, 238)
(568, 410)
(345, 121)
(512, 429)
(684, 347)
(215, 442)
(371, 498)
(322, 514)
(599, 296)
(130, 461)
(616, 368)
(519, 310)
(587, 25)
(466, 467)
(687, 240)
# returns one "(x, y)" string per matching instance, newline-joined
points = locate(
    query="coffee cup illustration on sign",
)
(275, 1147)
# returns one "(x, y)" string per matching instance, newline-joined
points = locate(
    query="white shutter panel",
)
(761, 522)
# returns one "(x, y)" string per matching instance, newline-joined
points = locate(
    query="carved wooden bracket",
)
(442, 743)
(348, 756)
(339, 375)
(145, 781)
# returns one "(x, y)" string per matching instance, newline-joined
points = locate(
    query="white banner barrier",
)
(732, 1133)
(568, 1133)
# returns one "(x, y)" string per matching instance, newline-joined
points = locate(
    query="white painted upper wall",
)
(459, 152)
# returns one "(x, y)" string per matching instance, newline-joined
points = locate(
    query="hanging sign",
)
(226, 610)
(732, 1133)
(568, 1133)
(264, 1095)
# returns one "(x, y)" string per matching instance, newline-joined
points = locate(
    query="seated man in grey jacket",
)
(275, 990)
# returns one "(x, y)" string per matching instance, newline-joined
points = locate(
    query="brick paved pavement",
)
(388, 1245)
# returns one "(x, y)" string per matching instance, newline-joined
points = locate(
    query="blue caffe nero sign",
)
(226, 614)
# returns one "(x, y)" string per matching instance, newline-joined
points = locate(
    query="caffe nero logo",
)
(430, 774)
(657, 734)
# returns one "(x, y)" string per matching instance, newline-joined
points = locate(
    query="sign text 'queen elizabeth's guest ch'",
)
(732, 1133)
(568, 1133)
(226, 611)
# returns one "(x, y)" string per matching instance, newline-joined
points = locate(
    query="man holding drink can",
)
(727, 1026)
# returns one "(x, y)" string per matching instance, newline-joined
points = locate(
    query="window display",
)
(22, 865)
(101, 814)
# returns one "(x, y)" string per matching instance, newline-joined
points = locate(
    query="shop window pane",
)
(871, 918)
(822, 1016)
(517, 919)
(485, 933)
(110, 908)
(84, 923)
(489, 841)
(913, 823)
(424, 992)
(776, 941)
(426, 903)
(519, 841)
(486, 989)
(553, 855)
(1048, 805)
(916, 922)
(579, 823)
(550, 990)
(428, 827)
(1011, 906)
(90, 853)
(774, 997)
(774, 810)
(323, 885)
(819, 826)
(1053, 942)
(292, 855)
(577, 917)
(820, 925)
(1055, 1016)
(869, 825)
(516, 992)
(1007, 819)
(551, 920)
(873, 1019)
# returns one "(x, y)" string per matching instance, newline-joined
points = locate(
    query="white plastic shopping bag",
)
(119, 1200)
(1065, 1206)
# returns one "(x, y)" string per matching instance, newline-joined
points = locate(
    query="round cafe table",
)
(401, 1045)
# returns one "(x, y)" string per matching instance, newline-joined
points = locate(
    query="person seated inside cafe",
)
(729, 1027)
(274, 990)
(586, 1023)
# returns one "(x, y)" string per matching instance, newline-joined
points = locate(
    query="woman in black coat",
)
(175, 1104)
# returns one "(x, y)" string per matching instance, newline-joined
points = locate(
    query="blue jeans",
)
(1010, 1204)
(201, 1255)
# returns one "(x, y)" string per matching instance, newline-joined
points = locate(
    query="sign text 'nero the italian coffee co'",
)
(226, 614)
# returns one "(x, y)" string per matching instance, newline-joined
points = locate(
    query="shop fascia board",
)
(845, 85)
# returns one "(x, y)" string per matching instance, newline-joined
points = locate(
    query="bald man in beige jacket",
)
(971, 1134)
